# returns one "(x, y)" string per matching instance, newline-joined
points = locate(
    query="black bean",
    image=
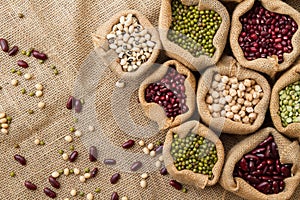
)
(115, 178)
(4, 44)
(136, 166)
(50, 193)
(54, 182)
(114, 196)
(93, 154)
(30, 185)
(13, 51)
(20, 159)
(22, 64)
(109, 161)
(73, 156)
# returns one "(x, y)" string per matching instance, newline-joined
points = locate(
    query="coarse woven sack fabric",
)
(293, 75)
(63, 30)
(267, 65)
(200, 181)
(288, 152)
(154, 111)
(176, 52)
(230, 67)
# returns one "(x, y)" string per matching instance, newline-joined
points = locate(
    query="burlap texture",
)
(176, 52)
(228, 66)
(232, 1)
(267, 65)
(288, 152)
(200, 181)
(111, 58)
(154, 111)
(289, 77)
(63, 30)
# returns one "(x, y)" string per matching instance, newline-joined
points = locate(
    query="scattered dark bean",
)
(22, 63)
(73, 156)
(4, 45)
(38, 55)
(163, 171)
(30, 185)
(93, 154)
(128, 144)
(115, 178)
(70, 102)
(54, 182)
(175, 184)
(50, 193)
(114, 196)
(94, 172)
(136, 166)
(109, 162)
(159, 149)
(13, 51)
(20, 159)
(78, 106)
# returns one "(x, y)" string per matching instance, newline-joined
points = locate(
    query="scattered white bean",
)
(55, 174)
(158, 164)
(87, 175)
(4, 126)
(73, 193)
(144, 175)
(66, 172)
(65, 156)
(39, 86)
(143, 184)
(4, 131)
(41, 105)
(161, 158)
(27, 76)
(82, 179)
(89, 196)
(150, 146)
(124, 198)
(120, 84)
(2, 115)
(76, 171)
(37, 141)
(38, 93)
(152, 153)
(14, 82)
(91, 128)
(146, 150)
(68, 138)
(78, 133)
(141, 143)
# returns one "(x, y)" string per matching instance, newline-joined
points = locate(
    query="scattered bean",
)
(20, 159)
(30, 185)
(163, 171)
(136, 166)
(109, 161)
(94, 172)
(114, 196)
(13, 51)
(50, 193)
(54, 182)
(73, 156)
(4, 45)
(176, 184)
(22, 64)
(115, 178)
(70, 102)
(128, 144)
(93, 154)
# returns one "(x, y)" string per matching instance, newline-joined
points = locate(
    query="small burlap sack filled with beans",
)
(235, 101)
(288, 153)
(284, 100)
(192, 58)
(173, 86)
(267, 44)
(188, 176)
(128, 43)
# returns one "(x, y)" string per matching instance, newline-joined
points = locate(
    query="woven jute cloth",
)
(62, 29)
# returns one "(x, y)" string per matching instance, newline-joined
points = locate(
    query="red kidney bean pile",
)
(266, 33)
(169, 93)
(262, 169)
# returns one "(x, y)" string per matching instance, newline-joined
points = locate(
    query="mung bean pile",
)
(194, 153)
(194, 30)
(289, 105)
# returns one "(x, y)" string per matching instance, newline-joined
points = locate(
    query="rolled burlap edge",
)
(176, 52)
(289, 153)
(268, 65)
(228, 66)
(154, 111)
(186, 176)
(111, 58)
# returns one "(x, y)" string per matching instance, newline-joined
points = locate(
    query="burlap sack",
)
(154, 111)
(228, 66)
(288, 152)
(289, 77)
(186, 176)
(111, 58)
(176, 52)
(267, 65)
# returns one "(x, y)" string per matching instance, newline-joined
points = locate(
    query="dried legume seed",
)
(87, 170)
(124, 198)
(65, 156)
(4, 45)
(72, 148)
(73, 156)
(13, 51)
(73, 192)
(38, 55)
(14, 82)
(87, 175)
(22, 63)
(76, 171)
(97, 190)
(115, 178)
(12, 174)
(150, 146)
(152, 153)
(136, 166)
(50, 193)
(13, 71)
(20, 159)
(163, 171)
(38, 93)
(39, 86)
(158, 164)
(78, 133)
(175, 184)
(55, 174)
(89, 196)
(114, 196)
(31, 94)
(94, 172)
(91, 128)
(144, 175)
(141, 143)
(82, 179)
(20, 15)
(54, 182)
(30, 111)
(109, 161)
(70, 102)
(23, 52)
(128, 144)
(41, 105)
(93, 154)
(78, 106)
(30, 185)
(81, 193)
(68, 138)
(23, 91)
(66, 171)
(143, 184)
(37, 141)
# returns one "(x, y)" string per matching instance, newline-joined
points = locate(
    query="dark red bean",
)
(275, 187)
(93, 154)
(109, 161)
(115, 178)
(262, 186)
(128, 144)
(73, 156)
(285, 171)
(251, 157)
(94, 172)
(78, 106)
(70, 102)
(54, 182)
(13, 51)
(258, 150)
(256, 173)
(38, 55)
(266, 141)
(4, 45)
(159, 149)
(163, 171)
(114, 196)
(251, 165)
(266, 178)
(22, 63)
(274, 149)
(278, 178)
(20, 159)
(136, 166)
(175, 184)
(50, 193)
(30, 186)
(243, 164)
(252, 179)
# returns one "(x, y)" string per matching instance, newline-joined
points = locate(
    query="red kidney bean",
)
(70, 102)
(262, 186)
(243, 164)
(163, 171)
(20, 159)
(274, 149)
(252, 179)
(54, 182)
(50, 193)
(4, 45)
(114, 196)
(175, 184)
(78, 106)
(30, 186)
(266, 178)
(93, 154)
(275, 187)
(266, 141)
(251, 165)
(268, 152)
(128, 144)
(260, 155)
(94, 172)
(285, 171)
(73, 156)
(251, 157)
(136, 166)
(115, 178)
(22, 63)
(39, 55)
(278, 178)
(13, 51)
(109, 161)
(258, 150)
